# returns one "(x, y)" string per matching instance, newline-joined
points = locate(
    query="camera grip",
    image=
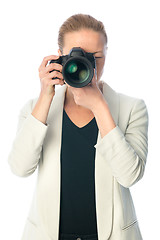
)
(59, 61)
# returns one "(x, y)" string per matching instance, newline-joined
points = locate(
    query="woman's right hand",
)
(47, 83)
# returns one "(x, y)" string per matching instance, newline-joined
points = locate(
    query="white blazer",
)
(119, 163)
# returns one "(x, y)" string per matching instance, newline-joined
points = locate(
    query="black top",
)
(77, 205)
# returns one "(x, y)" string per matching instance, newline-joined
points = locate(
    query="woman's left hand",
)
(89, 95)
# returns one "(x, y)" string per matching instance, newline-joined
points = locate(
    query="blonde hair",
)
(78, 22)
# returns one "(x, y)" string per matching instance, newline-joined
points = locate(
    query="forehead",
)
(87, 39)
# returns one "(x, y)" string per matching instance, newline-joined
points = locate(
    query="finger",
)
(48, 69)
(56, 82)
(51, 75)
(53, 66)
(46, 59)
(56, 74)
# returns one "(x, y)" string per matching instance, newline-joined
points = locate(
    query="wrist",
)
(103, 117)
(41, 109)
(46, 98)
(100, 103)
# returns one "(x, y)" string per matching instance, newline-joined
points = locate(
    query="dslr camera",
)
(78, 67)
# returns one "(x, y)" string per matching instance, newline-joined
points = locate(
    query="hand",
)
(45, 75)
(89, 95)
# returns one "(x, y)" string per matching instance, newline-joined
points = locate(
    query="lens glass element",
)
(72, 68)
(83, 74)
(77, 71)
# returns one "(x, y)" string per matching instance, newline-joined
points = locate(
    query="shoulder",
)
(134, 106)
(132, 109)
(128, 108)
(125, 101)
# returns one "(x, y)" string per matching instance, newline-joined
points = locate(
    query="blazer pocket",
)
(131, 231)
(129, 225)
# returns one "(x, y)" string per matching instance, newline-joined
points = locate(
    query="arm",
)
(42, 107)
(126, 153)
(32, 128)
(27, 145)
(103, 117)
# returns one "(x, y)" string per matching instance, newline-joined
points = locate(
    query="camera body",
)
(78, 67)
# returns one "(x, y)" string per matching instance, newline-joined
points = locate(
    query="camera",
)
(78, 67)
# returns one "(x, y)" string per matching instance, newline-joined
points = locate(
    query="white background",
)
(29, 32)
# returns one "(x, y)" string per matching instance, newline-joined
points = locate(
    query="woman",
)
(90, 146)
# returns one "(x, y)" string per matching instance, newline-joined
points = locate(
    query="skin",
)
(81, 104)
(88, 102)
(90, 41)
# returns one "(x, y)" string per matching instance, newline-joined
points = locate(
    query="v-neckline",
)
(75, 124)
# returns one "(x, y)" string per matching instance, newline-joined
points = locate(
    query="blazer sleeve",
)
(27, 145)
(126, 153)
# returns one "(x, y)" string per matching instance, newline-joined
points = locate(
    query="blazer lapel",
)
(104, 181)
(49, 183)
(50, 172)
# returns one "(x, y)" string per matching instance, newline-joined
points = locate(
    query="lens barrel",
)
(78, 71)
(78, 67)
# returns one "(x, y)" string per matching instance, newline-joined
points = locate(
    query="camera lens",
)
(77, 71)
